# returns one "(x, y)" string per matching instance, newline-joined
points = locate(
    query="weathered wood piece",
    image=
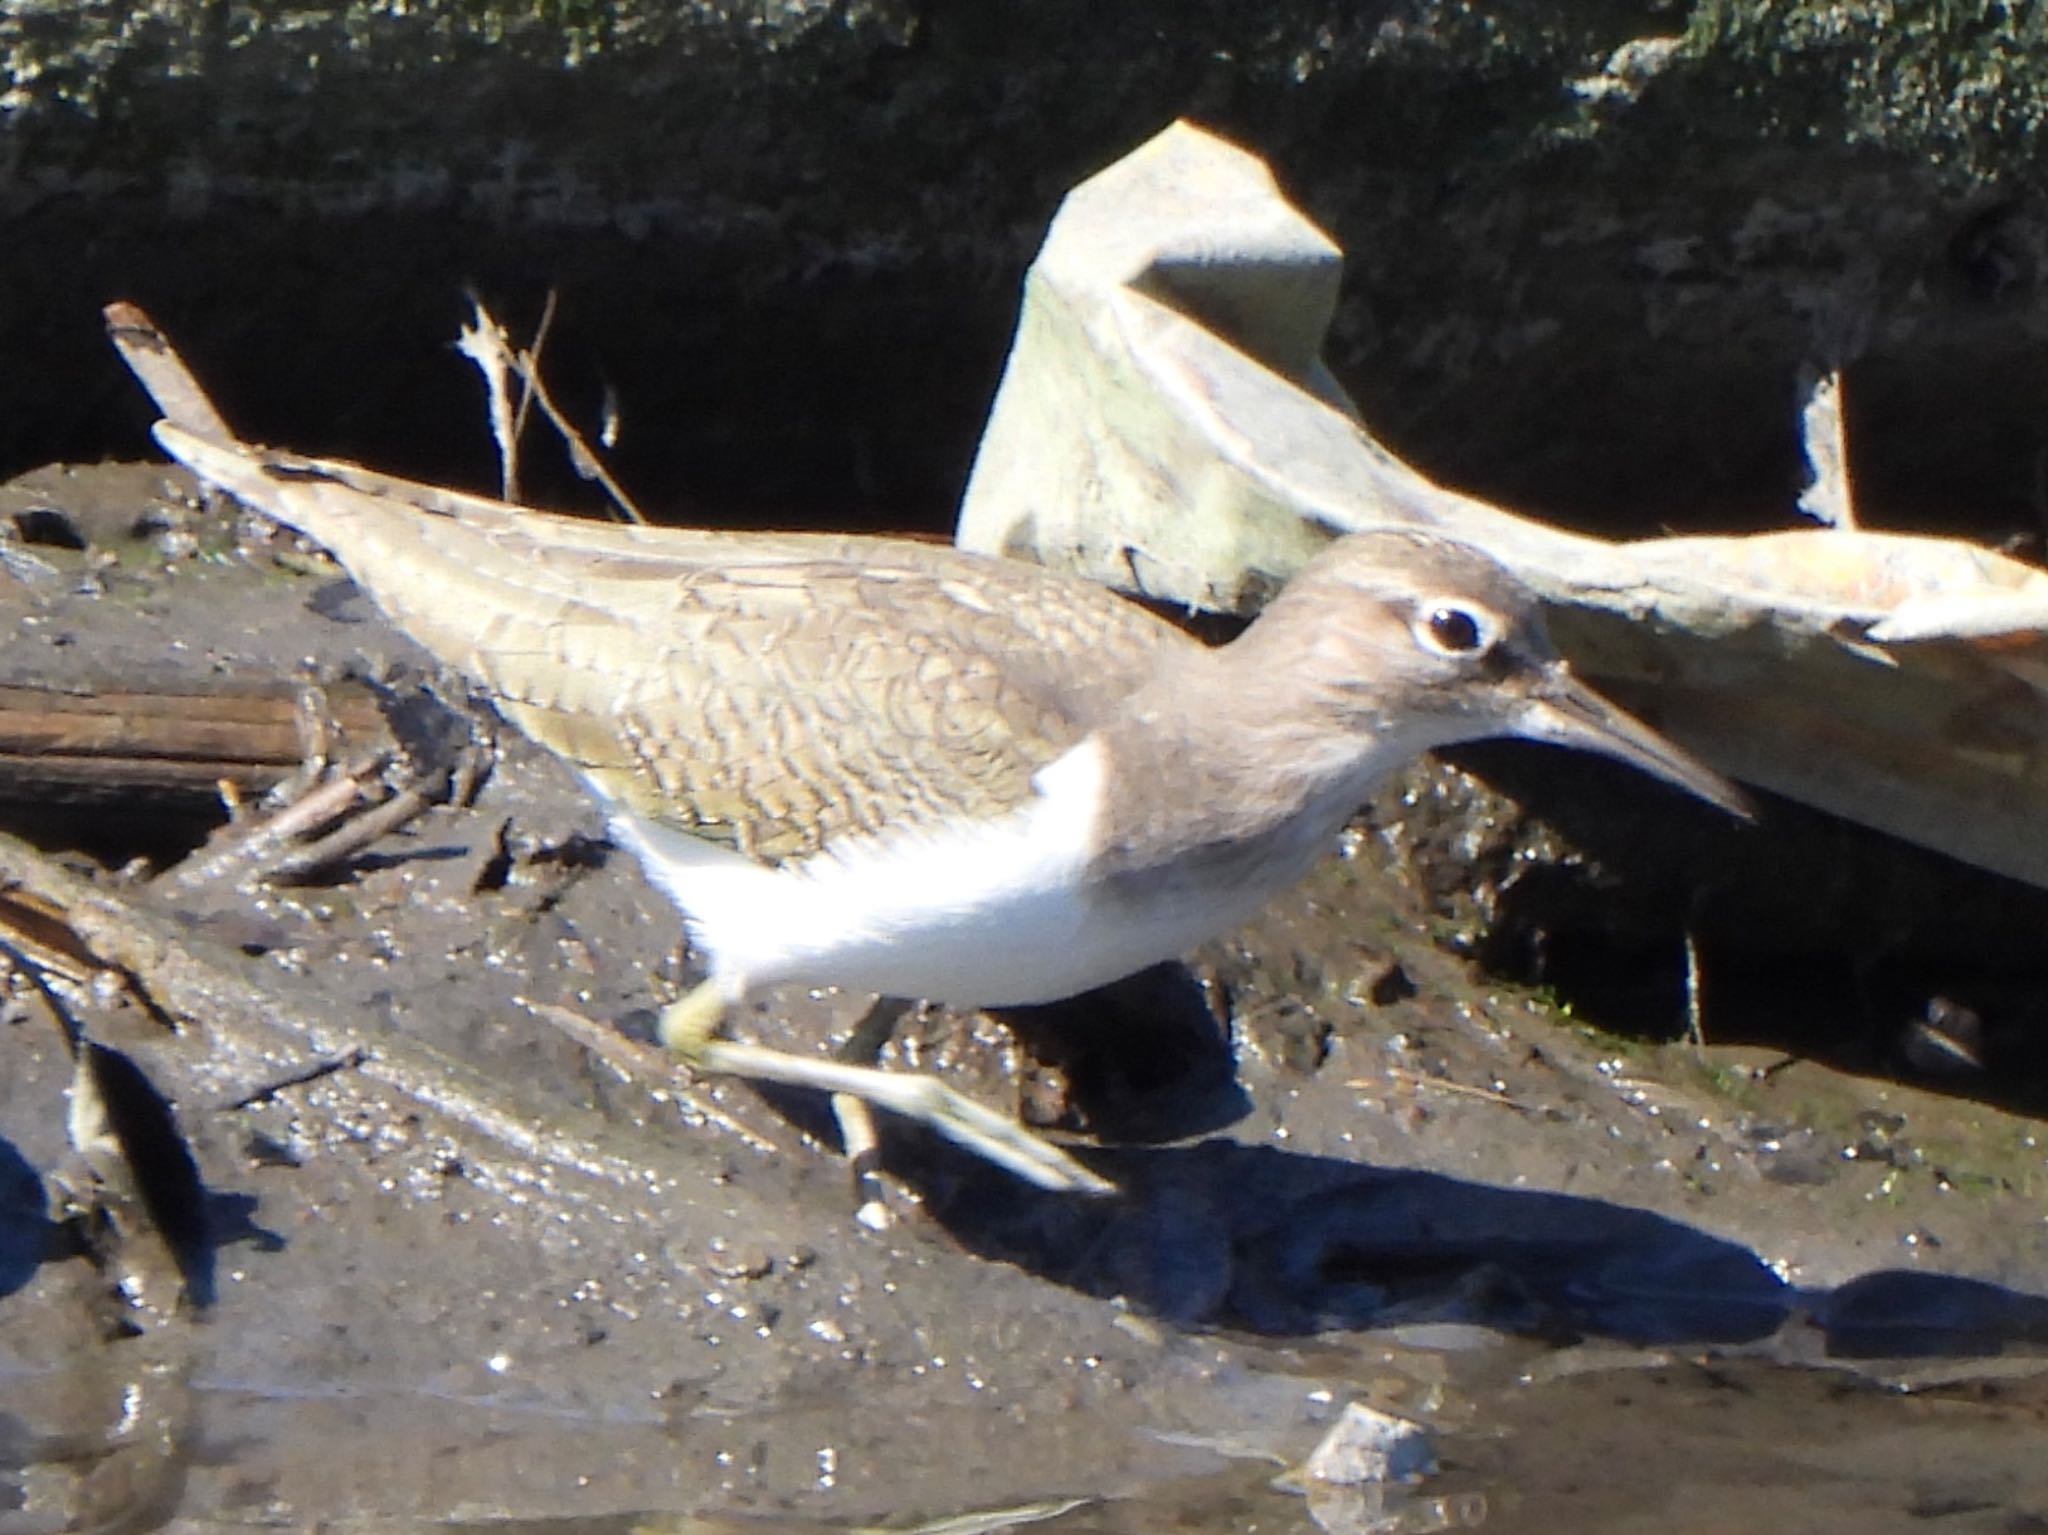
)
(175, 740)
(1164, 425)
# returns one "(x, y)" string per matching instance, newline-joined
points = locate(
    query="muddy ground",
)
(444, 1265)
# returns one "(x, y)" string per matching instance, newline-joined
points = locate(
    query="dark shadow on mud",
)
(1284, 1244)
(1167, 1074)
(27, 1234)
(161, 1173)
(1827, 941)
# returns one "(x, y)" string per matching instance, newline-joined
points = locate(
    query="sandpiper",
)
(905, 769)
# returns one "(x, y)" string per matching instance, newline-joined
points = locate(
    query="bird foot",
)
(994, 1137)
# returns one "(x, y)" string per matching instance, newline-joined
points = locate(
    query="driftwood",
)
(1164, 424)
(176, 742)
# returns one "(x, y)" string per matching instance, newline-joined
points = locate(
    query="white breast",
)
(991, 913)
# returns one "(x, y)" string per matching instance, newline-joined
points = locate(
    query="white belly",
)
(994, 914)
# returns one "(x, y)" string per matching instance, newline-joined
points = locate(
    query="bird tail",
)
(322, 498)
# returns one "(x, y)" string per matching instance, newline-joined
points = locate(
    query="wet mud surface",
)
(457, 1270)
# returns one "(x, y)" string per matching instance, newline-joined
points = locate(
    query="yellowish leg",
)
(858, 1138)
(688, 1028)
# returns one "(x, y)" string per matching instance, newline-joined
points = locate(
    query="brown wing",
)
(774, 690)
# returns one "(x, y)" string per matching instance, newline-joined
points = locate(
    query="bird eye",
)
(1452, 630)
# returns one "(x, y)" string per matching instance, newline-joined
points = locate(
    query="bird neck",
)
(1224, 749)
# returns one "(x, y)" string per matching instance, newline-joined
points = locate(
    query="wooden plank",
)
(70, 746)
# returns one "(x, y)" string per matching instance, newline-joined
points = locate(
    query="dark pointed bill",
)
(1564, 710)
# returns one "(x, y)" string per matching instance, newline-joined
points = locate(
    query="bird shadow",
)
(1280, 1243)
(1285, 1243)
(1171, 1075)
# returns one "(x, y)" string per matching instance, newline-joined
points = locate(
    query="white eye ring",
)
(1453, 628)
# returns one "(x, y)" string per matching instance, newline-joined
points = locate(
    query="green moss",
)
(1628, 1046)
(1962, 85)
(1731, 1084)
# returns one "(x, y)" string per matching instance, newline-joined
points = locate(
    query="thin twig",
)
(540, 341)
(352, 835)
(326, 1067)
(1446, 1085)
(581, 454)
(638, 1060)
(1695, 1015)
(252, 847)
(486, 344)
